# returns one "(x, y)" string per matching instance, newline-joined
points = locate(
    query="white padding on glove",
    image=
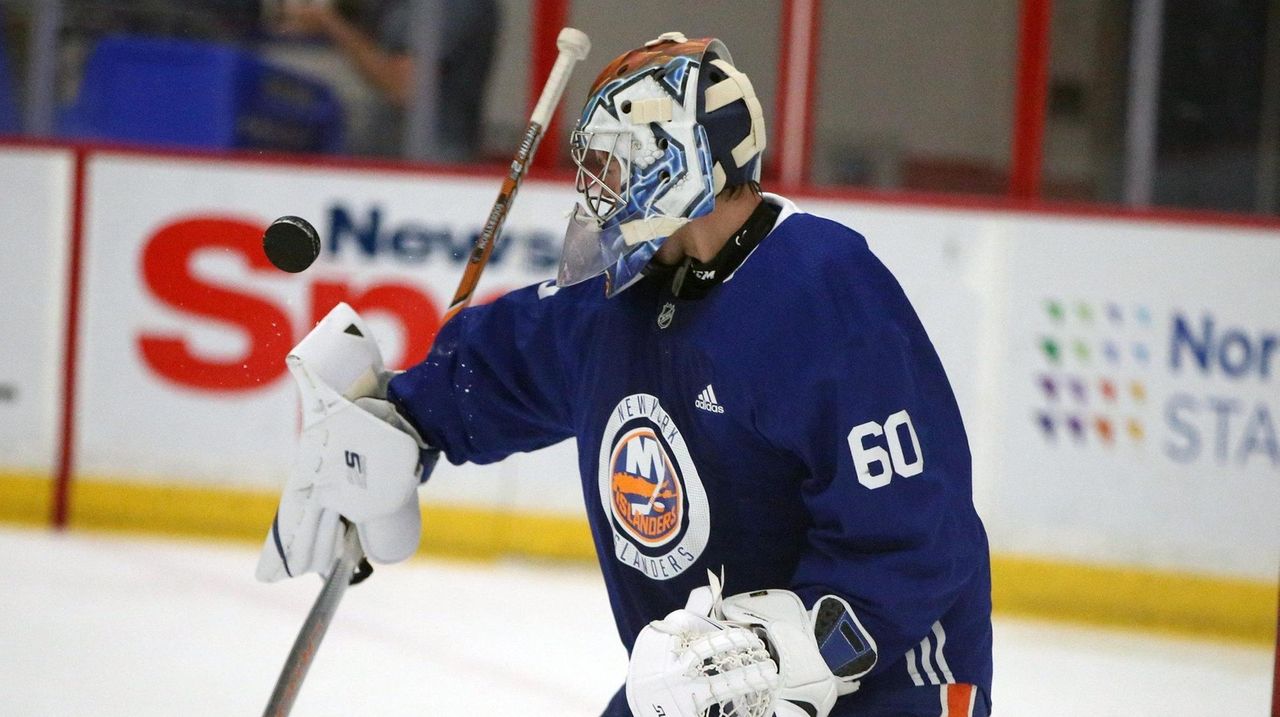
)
(358, 460)
(805, 644)
(394, 537)
(688, 663)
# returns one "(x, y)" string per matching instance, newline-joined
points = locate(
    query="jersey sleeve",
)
(870, 414)
(493, 383)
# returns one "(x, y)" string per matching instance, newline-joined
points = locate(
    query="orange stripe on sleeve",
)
(959, 700)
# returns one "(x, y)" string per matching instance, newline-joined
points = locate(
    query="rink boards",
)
(1117, 376)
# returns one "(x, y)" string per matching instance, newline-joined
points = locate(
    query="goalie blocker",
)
(357, 458)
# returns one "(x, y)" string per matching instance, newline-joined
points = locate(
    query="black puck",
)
(291, 243)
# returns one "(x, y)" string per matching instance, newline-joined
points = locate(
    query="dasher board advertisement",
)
(186, 324)
(1116, 377)
(36, 206)
(1141, 401)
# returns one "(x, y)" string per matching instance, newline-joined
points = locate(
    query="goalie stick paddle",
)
(574, 46)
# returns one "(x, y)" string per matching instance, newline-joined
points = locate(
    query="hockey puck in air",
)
(291, 243)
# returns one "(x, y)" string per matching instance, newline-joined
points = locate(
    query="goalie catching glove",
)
(750, 655)
(357, 458)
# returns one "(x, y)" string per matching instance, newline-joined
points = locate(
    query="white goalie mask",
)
(665, 128)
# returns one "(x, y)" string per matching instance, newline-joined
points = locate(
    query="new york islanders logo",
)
(650, 490)
(648, 500)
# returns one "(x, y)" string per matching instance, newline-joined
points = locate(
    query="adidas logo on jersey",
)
(707, 400)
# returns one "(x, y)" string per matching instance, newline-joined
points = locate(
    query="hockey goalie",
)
(776, 473)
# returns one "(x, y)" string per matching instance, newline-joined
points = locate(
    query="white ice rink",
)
(103, 625)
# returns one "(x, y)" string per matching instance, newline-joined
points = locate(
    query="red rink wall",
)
(1117, 375)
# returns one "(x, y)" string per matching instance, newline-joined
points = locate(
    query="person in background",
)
(213, 20)
(374, 35)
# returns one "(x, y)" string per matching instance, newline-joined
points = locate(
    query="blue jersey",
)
(793, 427)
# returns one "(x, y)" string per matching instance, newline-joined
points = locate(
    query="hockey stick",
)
(573, 45)
(315, 626)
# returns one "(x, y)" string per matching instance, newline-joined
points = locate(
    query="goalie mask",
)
(665, 128)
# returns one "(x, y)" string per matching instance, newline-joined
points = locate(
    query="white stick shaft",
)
(573, 46)
(316, 625)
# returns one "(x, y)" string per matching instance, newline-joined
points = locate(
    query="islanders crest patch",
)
(650, 490)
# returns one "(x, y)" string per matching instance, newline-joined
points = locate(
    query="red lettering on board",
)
(414, 311)
(167, 274)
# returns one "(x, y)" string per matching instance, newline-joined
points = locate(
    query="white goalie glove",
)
(357, 458)
(691, 664)
(751, 655)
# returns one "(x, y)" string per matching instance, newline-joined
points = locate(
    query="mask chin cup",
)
(620, 248)
(584, 255)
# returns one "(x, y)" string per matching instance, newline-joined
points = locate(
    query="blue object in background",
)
(9, 123)
(199, 94)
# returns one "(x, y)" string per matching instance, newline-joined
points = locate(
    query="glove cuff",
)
(820, 654)
(845, 645)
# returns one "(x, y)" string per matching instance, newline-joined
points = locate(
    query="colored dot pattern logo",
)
(1090, 385)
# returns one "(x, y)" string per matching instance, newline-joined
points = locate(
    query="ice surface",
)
(105, 625)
